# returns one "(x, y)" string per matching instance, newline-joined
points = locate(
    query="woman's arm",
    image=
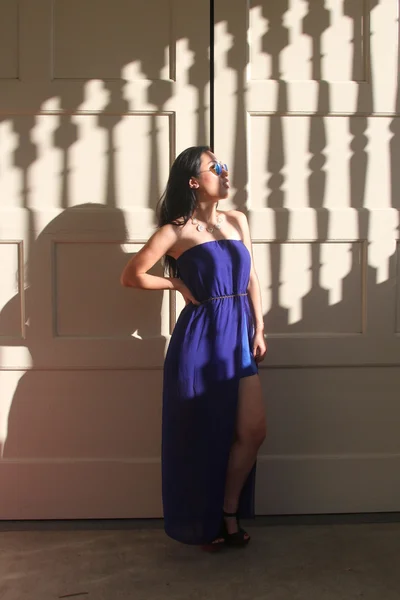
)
(253, 290)
(254, 286)
(135, 273)
(255, 300)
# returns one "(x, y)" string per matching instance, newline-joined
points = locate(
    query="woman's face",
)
(210, 186)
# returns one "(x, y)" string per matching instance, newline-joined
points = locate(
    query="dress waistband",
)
(223, 297)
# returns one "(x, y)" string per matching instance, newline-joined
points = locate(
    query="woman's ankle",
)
(230, 507)
(231, 523)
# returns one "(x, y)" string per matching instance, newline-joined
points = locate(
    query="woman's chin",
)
(224, 192)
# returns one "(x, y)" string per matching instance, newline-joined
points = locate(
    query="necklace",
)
(210, 228)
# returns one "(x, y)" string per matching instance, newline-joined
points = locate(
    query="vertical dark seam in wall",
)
(212, 74)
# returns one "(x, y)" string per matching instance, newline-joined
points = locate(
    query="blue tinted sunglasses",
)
(218, 167)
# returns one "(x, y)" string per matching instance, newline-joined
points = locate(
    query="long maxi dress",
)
(208, 354)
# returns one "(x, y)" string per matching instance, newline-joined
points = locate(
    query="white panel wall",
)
(312, 91)
(96, 100)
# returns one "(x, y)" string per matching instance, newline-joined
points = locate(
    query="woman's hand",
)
(259, 346)
(184, 290)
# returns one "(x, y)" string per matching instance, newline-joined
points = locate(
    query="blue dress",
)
(209, 352)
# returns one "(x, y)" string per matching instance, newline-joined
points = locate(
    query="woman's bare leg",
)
(250, 434)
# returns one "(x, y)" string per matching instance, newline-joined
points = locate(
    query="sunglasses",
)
(218, 167)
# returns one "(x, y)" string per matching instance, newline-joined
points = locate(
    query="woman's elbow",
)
(253, 280)
(128, 280)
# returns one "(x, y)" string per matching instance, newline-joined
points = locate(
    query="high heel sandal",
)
(240, 538)
(217, 544)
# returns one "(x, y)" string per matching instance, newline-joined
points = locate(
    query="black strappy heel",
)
(216, 545)
(240, 539)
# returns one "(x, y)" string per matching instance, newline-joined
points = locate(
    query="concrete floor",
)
(283, 562)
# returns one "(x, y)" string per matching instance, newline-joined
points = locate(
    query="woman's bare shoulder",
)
(178, 237)
(169, 231)
(236, 215)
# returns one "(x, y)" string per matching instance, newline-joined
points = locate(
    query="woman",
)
(213, 416)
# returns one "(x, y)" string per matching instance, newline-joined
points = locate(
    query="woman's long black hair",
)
(178, 202)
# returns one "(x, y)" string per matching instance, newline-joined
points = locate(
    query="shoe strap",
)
(226, 514)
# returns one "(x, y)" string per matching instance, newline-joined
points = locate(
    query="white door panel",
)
(311, 89)
(96, 100)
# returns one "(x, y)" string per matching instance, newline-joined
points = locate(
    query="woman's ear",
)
(193, 183)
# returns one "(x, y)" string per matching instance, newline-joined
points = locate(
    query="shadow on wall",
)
(93, 319)
(77, 313)
(328, 297)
